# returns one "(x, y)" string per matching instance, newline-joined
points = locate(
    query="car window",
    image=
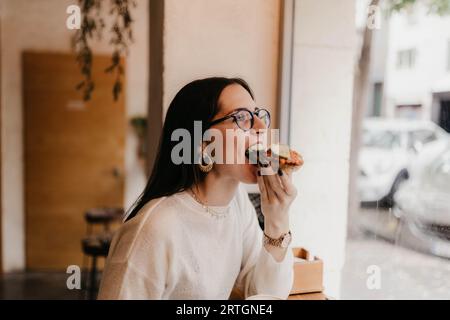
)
(382, 139)
(421, 137)
(442, 171)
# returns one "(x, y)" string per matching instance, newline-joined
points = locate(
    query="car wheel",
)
(401, 177)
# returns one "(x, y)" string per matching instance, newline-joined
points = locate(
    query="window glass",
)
(421, 137)
(382, 139)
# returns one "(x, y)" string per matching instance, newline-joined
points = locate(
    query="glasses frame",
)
(235, 112)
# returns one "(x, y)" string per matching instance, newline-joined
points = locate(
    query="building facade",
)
(417, 72)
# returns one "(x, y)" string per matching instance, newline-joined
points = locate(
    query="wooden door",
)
(1, 191)
(74, 155)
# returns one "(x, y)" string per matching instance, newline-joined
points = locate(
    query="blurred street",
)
(408, 270)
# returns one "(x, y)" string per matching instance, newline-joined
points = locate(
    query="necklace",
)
(212, 212)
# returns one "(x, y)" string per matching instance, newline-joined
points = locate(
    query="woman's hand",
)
(277, 194)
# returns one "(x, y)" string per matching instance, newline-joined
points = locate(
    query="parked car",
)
(389, 148)
(424, 200)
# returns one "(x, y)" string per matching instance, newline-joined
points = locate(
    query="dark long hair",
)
(196, 101)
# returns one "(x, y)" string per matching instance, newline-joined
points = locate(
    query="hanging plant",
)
(92, 27)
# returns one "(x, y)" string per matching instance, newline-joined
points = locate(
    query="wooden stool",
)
(97, 245)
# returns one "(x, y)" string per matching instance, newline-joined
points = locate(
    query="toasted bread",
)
(287, 158)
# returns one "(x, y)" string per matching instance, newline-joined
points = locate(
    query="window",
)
(377, 99)
(408, 111)
(442, 171)
(381, 139)
(421, 137)
(406, 59)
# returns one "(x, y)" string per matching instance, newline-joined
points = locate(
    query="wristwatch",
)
(282, 242)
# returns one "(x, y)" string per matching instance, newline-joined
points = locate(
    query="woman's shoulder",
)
(156, 215)
(156, 220)
(155, 223)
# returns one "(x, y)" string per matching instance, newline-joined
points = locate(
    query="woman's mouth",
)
(284, 156)
(257, 155)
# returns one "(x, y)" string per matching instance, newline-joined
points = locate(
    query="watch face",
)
(286, 240)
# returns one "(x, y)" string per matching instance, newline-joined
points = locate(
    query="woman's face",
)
(234, 97)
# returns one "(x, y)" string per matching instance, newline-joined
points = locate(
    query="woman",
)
(193, 233)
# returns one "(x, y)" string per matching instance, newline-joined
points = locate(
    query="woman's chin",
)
(251, 174)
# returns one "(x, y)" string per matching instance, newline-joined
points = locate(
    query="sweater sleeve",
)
(138, 264)
(260, 272)
(139, 277)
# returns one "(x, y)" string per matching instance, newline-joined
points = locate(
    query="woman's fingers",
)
(276, 186)
(262, 187)
(263, 182)
(286, 180)
(273, 184)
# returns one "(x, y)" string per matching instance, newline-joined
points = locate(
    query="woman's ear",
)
(202, 147)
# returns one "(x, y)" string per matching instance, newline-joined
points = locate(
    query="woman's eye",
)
(262, 115)
(241, 117)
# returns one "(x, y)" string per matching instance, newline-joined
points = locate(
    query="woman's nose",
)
(259, 126)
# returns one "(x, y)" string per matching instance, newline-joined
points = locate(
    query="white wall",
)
(40, 25)
(324, 43)
(229, 38)
(430, 35)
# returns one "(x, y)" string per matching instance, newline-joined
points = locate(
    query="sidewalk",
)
(405, 273)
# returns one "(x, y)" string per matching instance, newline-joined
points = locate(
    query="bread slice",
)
(288, 159)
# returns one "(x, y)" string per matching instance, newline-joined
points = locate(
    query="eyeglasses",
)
(245, 119)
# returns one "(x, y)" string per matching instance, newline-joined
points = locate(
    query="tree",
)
(360, 82)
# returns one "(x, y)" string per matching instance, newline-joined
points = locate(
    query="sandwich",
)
(287, 159)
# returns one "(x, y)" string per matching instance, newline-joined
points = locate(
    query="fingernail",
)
(280, 173)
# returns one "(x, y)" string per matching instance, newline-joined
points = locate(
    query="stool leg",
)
(84, 274)
(93, 279)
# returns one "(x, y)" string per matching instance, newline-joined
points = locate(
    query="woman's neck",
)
(216, 190)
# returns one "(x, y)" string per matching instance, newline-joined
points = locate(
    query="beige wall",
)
(324, 40)
(40, 25)
(232, 38)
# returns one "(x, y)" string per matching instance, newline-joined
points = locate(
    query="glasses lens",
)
(264, 115)
(244, 119)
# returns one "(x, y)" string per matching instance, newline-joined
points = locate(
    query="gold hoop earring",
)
(209, 164)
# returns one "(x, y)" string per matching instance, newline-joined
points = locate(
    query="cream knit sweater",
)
(173, 249)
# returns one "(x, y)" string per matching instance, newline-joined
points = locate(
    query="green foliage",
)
(92, 27)
(439, 7)
(139, 124)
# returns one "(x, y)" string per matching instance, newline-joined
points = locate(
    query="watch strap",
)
(277, 242)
